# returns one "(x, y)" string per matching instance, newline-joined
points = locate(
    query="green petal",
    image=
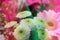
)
(23, 14)
(42, 34)
(40, 22)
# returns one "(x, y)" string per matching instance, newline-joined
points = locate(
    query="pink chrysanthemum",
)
(52, 20)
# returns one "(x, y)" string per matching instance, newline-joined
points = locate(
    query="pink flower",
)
(52, 20)
(45, 1)
(36, 6)
(10, 10)
(30, 2)
(1, 1)
(57, 2)
(55, 5)
(57, 8)
(0, 10)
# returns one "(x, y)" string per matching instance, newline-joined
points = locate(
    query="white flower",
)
(21, 32)
(39, 21)
(10, 24)
(23, 14)
(27, 22)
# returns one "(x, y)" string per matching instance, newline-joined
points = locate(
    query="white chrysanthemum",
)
(27, 22)
(10, 24)
(23, 14)
(39, 21)
(22, 32)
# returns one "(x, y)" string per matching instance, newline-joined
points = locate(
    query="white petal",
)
(10, 24)
(28, 22)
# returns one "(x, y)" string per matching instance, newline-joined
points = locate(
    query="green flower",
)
(27, 22)
(24, 14)
(40, 22)
(42, 34)
(22, 32)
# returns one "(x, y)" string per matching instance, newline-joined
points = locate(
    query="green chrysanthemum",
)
(42, 34)
(27, 22)
(22, 32)
(40, 22)
(23, 14)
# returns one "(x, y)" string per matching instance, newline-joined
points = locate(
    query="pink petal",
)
(30, 2)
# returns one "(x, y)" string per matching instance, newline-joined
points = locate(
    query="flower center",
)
(20, 31)
(50, 23)
(28, 21)
(41, 20)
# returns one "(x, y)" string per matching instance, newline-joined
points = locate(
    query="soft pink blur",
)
(55, 5)
(10, 10)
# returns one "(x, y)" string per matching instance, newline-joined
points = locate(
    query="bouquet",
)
(30, 20)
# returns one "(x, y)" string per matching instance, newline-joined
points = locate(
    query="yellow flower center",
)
(50, 23)
(21, 31)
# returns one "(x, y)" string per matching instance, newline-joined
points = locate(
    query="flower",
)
(31, 2)
(52, 20)
(40, 22)
(0, 9)
(22, 32)
(10, 24)
(57, 2)
(2, 37)
(36, 6)
(45, 1)
(23, 14)
(9, 8)
(57, 8)
(54, 38)
(55, 5)
(42, 34)
(27, 22)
